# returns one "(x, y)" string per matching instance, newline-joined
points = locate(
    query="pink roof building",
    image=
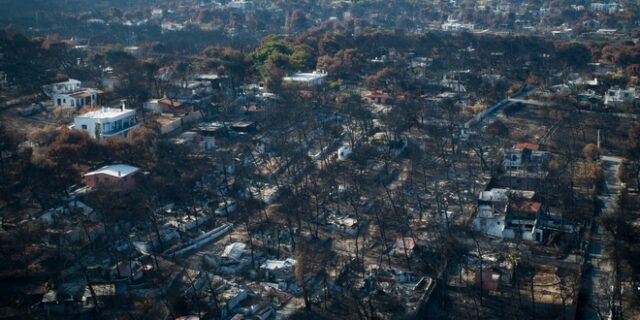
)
(120, 177)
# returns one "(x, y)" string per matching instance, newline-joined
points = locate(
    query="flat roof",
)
(116, 170)
(242, 124)
(494, 195)
(209, 127)
(306, 76)
(278, 264)
(208, 77)
(70, 80)
(85, 93)
(106, 113)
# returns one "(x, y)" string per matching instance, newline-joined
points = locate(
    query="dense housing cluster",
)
(254, 159)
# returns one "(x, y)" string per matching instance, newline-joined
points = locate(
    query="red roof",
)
(378, 95)
(170, 103)
(525, 206)
(527, 145)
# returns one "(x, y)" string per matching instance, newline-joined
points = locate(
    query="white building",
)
(598, 6)
(343, 153)
(157, 13)
(492, 212)
(70, 93)
(609, 8)
(617, 97)
(452, 84)
(524, 157)
(277, 270)
(70, 85)
(453, 25)
(107, 122)
(78, 99)
(171, 26)
(241, 5)
(314, 78)
(509, 214)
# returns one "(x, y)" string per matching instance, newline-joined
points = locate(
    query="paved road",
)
(491, 112)
(597, 279)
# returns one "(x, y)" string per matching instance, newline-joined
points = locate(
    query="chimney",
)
(119, 173)
(123, 104)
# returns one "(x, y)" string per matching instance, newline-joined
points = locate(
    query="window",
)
(84, 127)
(497, 222)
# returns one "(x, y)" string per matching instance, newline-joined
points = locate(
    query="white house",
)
(107, 122)
(171, 26)
(278, 270)
(77, 99)
(452, 84)
(453, 25)
(70, 93)
(598, 6)
(241, 5)
(157, 13)
(509, 214)
(617, 97)
(610, 8)
(70, 85)
(523, 218)
(343, 153)
(314, 78)
(524, 156)
(492, 212)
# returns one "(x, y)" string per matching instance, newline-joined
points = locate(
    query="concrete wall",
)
(106, 181)
(492, 226)
(171, 126)
(189, 118)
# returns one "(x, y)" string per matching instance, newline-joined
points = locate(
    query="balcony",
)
(119, 129)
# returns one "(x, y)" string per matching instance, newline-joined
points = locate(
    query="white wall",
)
(65, 100)
(89, 123)
(492, 226)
